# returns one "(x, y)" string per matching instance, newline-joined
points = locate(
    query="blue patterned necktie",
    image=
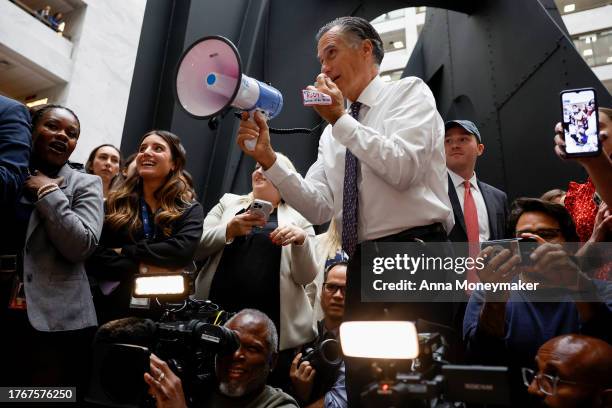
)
(350, 202)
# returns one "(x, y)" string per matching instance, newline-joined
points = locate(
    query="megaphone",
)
(209, 79)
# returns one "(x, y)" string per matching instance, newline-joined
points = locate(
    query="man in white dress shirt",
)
(391, 185)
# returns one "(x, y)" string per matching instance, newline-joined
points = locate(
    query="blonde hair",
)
(285, 162)
(331, 242)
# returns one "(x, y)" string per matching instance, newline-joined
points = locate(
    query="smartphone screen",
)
(580, 122)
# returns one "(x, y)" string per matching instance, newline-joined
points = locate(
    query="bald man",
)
(573, 371)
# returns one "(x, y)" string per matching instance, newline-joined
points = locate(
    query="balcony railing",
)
(58, 28)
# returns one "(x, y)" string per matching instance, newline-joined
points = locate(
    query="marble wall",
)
(103, 57)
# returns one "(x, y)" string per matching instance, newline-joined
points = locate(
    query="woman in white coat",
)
(261, 265)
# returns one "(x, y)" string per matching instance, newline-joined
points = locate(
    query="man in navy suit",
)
(463, 145)
(15, 145)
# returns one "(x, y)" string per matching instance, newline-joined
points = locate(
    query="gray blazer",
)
(62, 232)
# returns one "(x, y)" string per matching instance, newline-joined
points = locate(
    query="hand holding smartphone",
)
(580, 122)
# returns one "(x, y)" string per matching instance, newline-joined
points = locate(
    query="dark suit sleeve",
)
(15, 146)
(481, 348)
(177, 250)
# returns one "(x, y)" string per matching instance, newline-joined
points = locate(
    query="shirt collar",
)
(369, 95)
(458, 180)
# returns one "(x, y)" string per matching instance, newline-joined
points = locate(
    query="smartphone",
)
(580, 122)
(261, 207)
(523, 247)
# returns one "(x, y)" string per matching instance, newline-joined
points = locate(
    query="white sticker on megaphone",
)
(315, 98)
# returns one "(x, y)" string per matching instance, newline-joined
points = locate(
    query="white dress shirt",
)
(399, 141)
(481, 208)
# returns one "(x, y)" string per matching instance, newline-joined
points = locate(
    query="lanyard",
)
(146, 222)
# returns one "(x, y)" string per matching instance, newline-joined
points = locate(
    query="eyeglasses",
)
(547, 384)
(332, 288)
(544, 233)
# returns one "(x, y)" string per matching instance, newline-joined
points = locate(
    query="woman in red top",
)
(582, 201)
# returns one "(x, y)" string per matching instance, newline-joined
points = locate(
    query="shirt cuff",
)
(277, 173)
(344, 128)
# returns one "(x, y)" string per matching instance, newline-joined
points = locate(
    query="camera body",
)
(323, 355)
(188, 337)
(432, 382)
(189, 347)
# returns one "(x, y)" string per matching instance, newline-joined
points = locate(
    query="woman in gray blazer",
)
(56, 225)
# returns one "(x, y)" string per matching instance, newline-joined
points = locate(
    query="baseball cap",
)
(467, 125)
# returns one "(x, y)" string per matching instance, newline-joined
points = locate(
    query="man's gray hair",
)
(358, 29)
(271, 333)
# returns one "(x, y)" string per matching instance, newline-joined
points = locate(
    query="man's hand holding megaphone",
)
(258, 129)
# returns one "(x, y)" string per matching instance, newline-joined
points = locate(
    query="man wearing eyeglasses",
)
(325, 393)
(508, 327)
(572, 371)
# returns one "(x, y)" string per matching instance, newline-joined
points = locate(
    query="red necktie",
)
(470, 216)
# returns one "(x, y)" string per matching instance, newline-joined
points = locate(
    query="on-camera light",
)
(379, 339)
(160, 285)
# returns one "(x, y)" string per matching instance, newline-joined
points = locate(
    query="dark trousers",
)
(429, 316)
(34, 358)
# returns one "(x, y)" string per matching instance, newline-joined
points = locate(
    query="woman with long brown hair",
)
(152, 224)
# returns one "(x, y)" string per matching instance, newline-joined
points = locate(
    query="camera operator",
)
(573, 371)
(241, 376)
(507, 327)
(303, 376)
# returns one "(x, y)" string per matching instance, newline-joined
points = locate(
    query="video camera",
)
(187, 337)
(429, 381)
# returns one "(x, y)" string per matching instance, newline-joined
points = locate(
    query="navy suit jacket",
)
(496, 202)
(15, 146)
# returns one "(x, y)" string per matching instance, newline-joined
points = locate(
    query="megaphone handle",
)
(250, 144)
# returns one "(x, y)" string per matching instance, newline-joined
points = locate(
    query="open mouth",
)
(236, 372)
(147, 163)
(58, 147)
(334, 79)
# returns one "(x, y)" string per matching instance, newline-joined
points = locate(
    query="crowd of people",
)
(388, 170)
(54, 20)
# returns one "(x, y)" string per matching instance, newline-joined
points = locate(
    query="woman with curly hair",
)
(152, 224)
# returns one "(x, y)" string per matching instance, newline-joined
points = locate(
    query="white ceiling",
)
(17, 79)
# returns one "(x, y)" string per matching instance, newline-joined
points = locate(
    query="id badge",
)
(18, 299)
